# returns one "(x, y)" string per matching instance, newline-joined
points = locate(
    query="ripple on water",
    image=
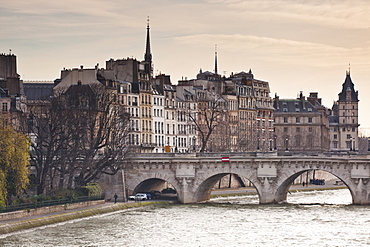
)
(219, 223)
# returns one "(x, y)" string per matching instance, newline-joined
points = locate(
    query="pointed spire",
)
(216, 59)
(148, 54)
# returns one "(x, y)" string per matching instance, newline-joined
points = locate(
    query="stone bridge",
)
(194, 175)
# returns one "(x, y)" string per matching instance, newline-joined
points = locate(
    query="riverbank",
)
(57, 217)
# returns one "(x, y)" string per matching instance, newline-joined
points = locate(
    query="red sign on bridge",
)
(225, 159)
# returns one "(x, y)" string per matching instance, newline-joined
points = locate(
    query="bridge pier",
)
(361, 191)
(184, 194)
(266, 188)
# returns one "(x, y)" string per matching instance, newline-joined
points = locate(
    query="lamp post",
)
(286, 144)
(270, 144)
(354, 144)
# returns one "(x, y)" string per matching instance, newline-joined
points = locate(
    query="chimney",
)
(277, 101)
(303, 100)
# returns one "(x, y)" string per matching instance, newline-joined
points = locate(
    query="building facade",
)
(344, 119)
(301, 125)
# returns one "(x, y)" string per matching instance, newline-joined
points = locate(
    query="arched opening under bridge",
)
(211, 187)
(166, 190)
(314, 186)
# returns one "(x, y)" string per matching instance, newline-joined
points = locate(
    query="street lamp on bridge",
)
(286, 144)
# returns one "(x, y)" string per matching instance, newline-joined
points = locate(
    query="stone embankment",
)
(46, 210)
(8, 226)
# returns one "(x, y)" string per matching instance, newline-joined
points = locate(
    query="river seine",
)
(318, 218)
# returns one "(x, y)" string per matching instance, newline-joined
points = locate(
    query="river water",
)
(318, 218)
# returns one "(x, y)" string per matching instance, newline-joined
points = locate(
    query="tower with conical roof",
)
(344, 137)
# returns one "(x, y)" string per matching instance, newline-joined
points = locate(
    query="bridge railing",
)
(48, 203)
(246, 154)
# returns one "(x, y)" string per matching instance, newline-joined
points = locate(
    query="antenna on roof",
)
(216, 59)
(349, 68)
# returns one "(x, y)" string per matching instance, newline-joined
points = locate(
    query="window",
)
(297, 120)
(285, 129)
(349, 144)
(310, 119)
(335, 145)
(335, 136)
(348, 136)
(5, 106)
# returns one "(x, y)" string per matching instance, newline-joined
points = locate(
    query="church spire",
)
(148, 54)
(216, 59)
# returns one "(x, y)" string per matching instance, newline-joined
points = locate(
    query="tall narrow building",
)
(344, 119)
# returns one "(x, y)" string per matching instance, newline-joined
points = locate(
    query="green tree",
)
(14, 161)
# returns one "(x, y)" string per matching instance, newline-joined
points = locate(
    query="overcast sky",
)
(295, 45)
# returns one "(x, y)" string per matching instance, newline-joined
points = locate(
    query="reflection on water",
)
(318, 218)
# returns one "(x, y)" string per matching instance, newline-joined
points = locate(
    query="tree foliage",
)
(14, 161)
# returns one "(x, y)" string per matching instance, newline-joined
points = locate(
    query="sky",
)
(295, 45)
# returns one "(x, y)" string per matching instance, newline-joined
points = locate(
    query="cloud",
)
(277, 50)
(339, 14)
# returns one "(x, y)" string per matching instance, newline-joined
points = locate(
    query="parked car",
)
(168, 191)
(131, 198)
(141, 197)
(155, 194)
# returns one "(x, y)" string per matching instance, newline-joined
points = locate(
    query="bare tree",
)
(79, 135)
(49, 135)
(209, 115)
(99, 145)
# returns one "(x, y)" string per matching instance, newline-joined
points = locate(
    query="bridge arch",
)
(149, 181)
(204, 184)
(287, 179)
